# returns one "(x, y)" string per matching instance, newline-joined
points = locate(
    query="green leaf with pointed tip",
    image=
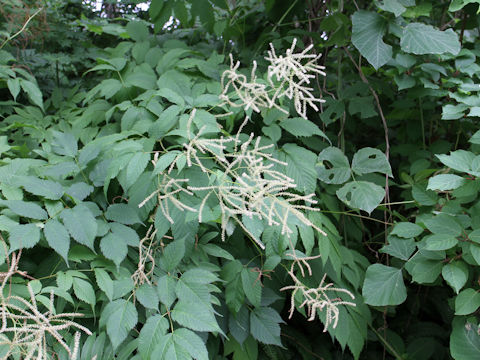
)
(399, 248)
(440, 242)
(455, 274)
(444, 182)
(407, 230)
(383, 286)
(301, 167)
(46, 188)
(23, 236)
(81, 224)
(57, 237)
(104, 282)
(26, 209)
(361, 195)
(123, 213)
(423, 39)
(147, 296)
(191, 343)
(166, 290)
(154, 329)
(367, 36)
(444, 224)
(252, 287)
(467, 302)
(195, 316)
(114, 248)
(301, 127)
(84, 291)
(123, 317)
(333, 166)
(33, 92)
(464, 339)
(264, 325)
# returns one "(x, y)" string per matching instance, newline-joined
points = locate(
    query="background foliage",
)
(96, 106)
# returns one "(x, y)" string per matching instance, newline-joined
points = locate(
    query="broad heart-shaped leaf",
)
(423, 39)
(123, 213)
(407, 230)
(114, 248)
(464, 339)
(361, 195)
(383, 286)
(264, 325)
(333, 166)
(57, 237)
(367, 33)
(84, 290)
(81, 224)
(122, 318)
(399, 248)
(301, 167)
(46, 188)
(467, 302)
(154, 329)
(23, 236)
(455, 274)
(444, 182)
(369, 160)
(195, 316)
(25, 208)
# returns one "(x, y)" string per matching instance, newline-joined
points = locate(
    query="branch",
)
(21, 30)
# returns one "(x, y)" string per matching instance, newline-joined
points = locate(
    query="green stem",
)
(386, 344)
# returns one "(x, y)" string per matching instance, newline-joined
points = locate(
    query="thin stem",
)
(21, 30)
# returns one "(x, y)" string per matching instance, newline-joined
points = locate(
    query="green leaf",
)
(455, 274)
(251, 286)
(147, 296)
(464, 340)
(195, 316)
(57, 237)
(154, 329)
(64, 144)
(361, 195)
(123, 317)
(33, 92)
(81, 224)
(264, 325)
(301, 127)
(166, 290)
(367, 33)
(424, 270)
(440, 242)
(467, 302)
(407, 230)
(456, 5)
(104, 282)
(26, 209)
(383, 286)
(79, 190)
(423, 39)
(399, 248)
(444, 182)
(23, 236)
(333, 166)
(123, 213)
(173, 254)
(369, 160)
(114, 248)
(84, 291)
(444, 224)
(137, 30)
(135, 168)
(128, 235)
(191, 343)
(301, 167)
(393, 6)
(14, 87)
(46, 188)
(459, 160)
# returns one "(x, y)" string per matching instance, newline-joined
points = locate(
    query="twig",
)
(22, 29)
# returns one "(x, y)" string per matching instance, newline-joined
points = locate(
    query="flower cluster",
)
(288, 75)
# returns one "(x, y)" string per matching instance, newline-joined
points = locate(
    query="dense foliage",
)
(219, 179)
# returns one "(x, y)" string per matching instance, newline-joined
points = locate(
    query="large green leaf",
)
(367, 36)
(407, 230)
(464, 340)
(57, 237)
(455, 274)
(84, 291)
(333, 166)
(301, 167)
(26, 209)
(122, 318)
(264, 325)
(23, 236)
(195, 316)
(81, 224)
(444, 182)
(467, 302)
(48, 189)
(114, 248)
(123, 213)
(383, 286)
(368, 160)
(361, 195)
(154, 329)
(423, 39)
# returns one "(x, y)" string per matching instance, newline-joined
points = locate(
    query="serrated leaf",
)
(33, 92)
(302, 127)
(14, 87)
(104, 282)
(135, 168)
(195, 316)
(333, 166)
(123, 317)
(57, 237)
(383, 286)
(399, 248)
(301, 167)
(147, 296)
(173, 254)
(191, 343)
(114, 248)
(367, 36)
(23, 236)
(84, 291)
(154, 329)
(166, 290)
(361, 195)
(369, 160)
(128, 235)
(79, 190)
(26, 209)
(251, 286)
(264, 325)
(444, 182)
(64, 144)
(46, 188)
(123, 213)
(81, 224)
(423, 39)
